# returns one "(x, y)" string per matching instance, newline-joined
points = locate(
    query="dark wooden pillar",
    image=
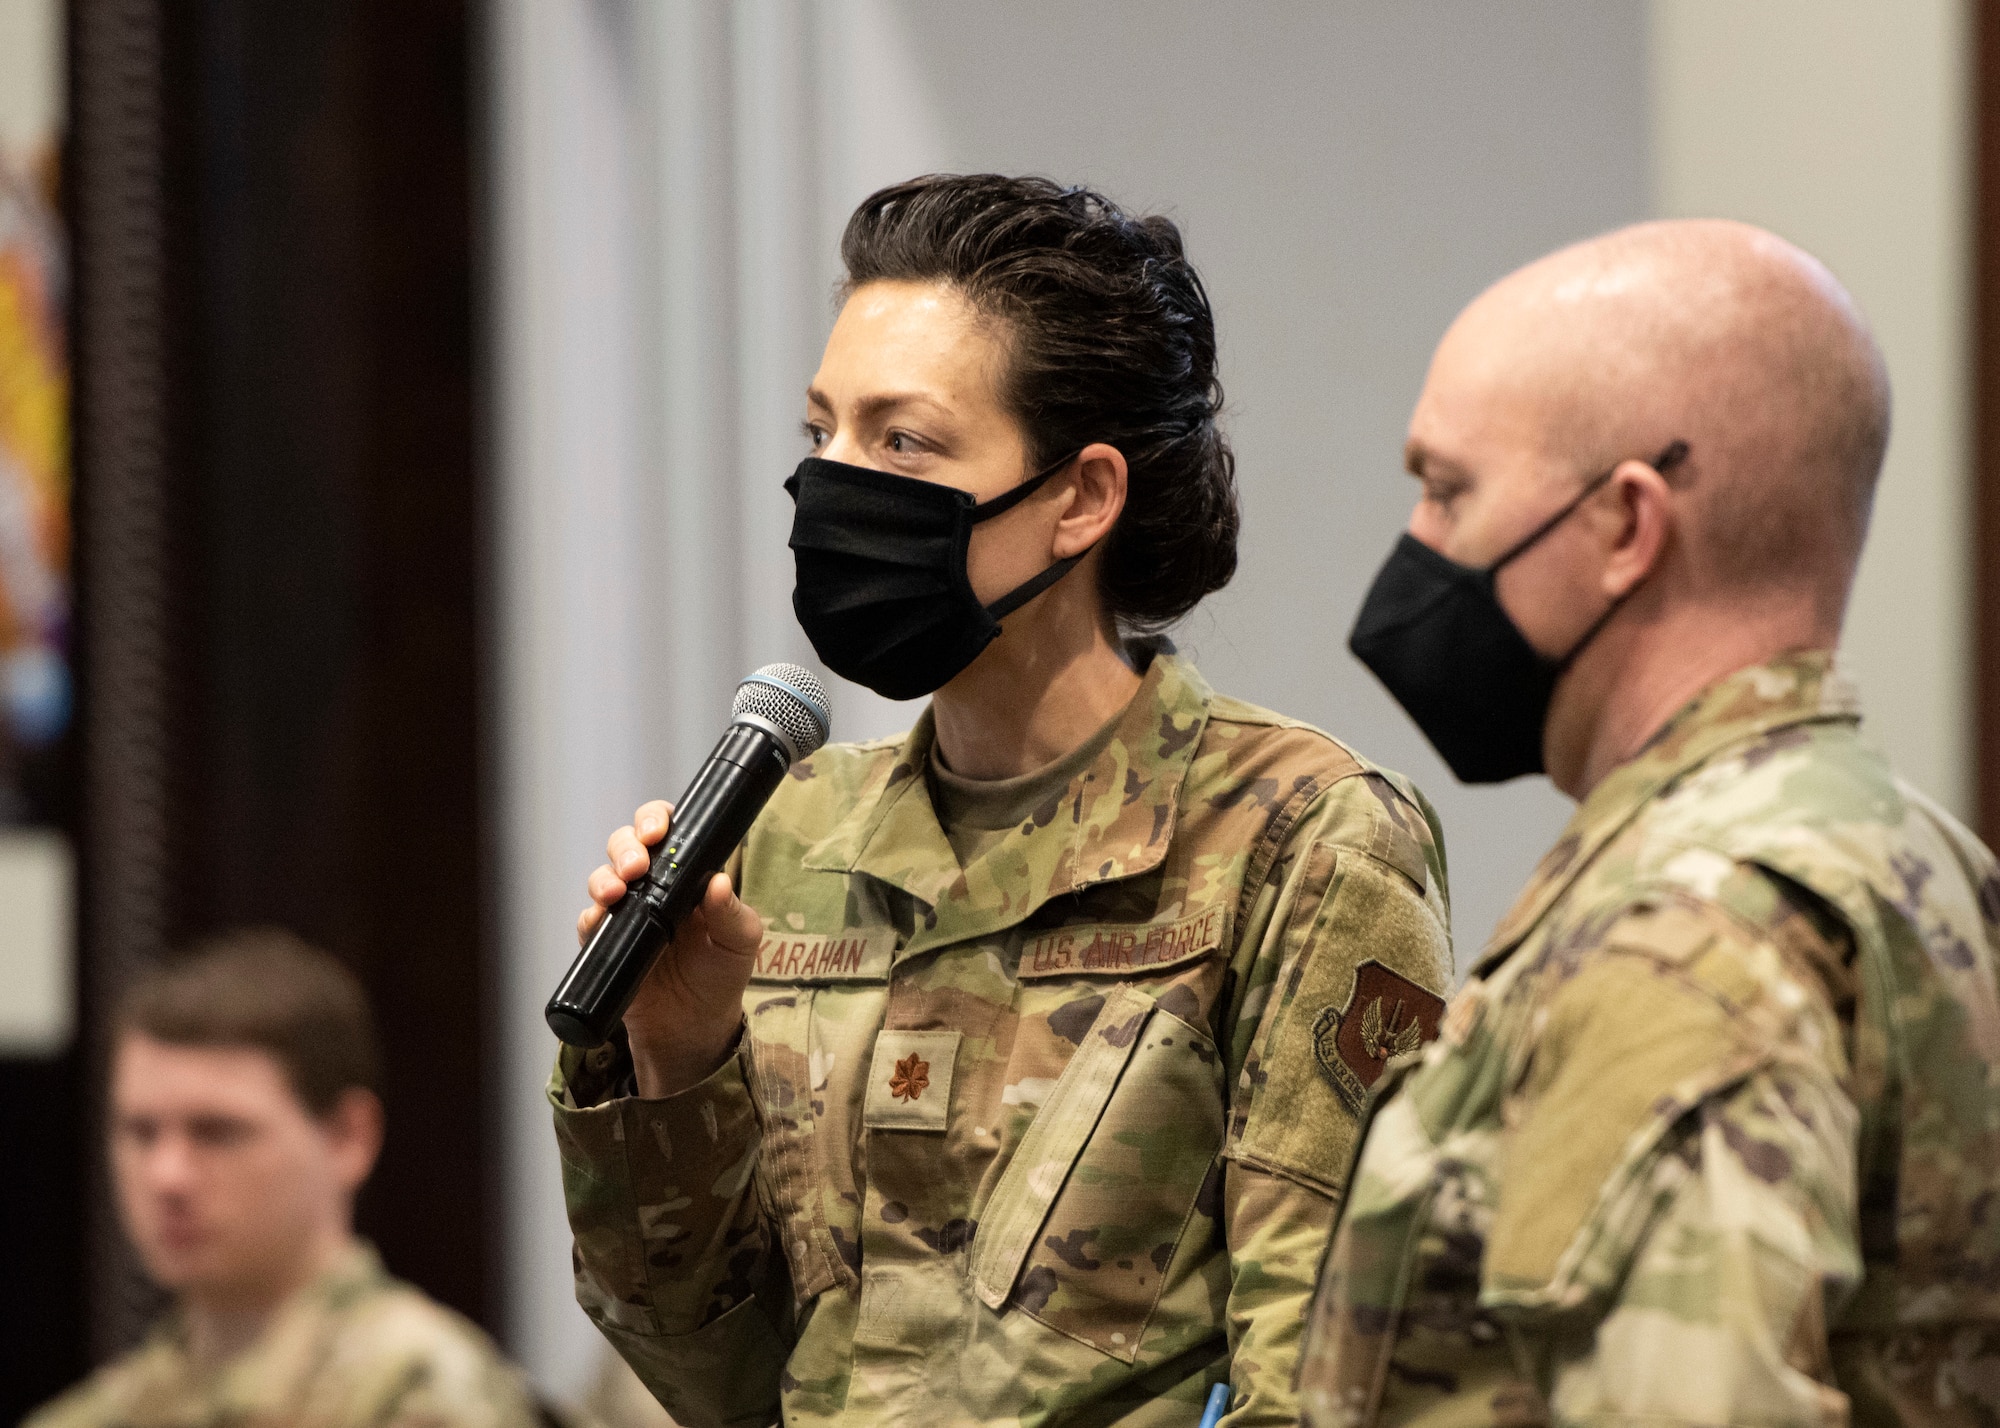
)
(338, 736)
(281, 518)
(128, 561)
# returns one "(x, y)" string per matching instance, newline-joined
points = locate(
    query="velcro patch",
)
(909, 1081)
(1386, 1016)
(858, 954)
(1119, 949)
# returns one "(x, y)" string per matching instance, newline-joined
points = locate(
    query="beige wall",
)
(31, 75)
(1843, 124)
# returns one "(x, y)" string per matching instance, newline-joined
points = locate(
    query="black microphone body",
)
(708, 822)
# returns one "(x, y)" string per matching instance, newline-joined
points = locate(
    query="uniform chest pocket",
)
(1084, 1229)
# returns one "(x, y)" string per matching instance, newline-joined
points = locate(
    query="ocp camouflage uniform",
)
(355, 1349)
(1041, 1138)
(1712, 1135)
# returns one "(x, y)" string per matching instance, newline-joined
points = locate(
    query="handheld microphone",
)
(780, 716)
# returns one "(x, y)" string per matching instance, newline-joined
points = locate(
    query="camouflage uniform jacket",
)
(1041, 1139)
(355, 1349)
(1712, 1135)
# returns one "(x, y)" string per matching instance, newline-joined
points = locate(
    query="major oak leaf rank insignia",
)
(1387, 1015)
(911, 1077)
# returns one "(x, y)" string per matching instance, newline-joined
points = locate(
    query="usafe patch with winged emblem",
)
(1387, 1015)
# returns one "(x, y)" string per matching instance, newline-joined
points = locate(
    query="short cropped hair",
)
(1109, 338)
(266, 988)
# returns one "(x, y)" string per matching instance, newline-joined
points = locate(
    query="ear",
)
(1643, 520)
(1095, 499)
(353, 1130)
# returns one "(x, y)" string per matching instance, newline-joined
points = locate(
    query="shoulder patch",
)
(1632, 1038)
(1386, 1016)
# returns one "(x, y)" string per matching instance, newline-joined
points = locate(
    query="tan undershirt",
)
(976, 813)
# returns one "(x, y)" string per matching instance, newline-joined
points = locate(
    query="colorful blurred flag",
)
(34, 459)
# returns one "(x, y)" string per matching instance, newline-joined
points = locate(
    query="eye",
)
(1441, 491)
(219, 1132)
(815, 434)
(905, 443)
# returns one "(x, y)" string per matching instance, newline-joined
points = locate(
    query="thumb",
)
(732, 924)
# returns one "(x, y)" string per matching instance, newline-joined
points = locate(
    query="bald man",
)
(1712, 1133)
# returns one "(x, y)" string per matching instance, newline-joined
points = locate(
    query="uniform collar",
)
(1114, 820)
(279, 1353)
(1797, 688)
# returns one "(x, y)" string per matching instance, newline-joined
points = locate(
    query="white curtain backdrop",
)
(671, 177)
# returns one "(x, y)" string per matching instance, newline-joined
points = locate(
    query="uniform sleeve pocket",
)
(1083, 1229)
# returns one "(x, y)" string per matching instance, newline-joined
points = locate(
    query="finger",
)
(628, 855)
(732, 924)
(587, 920)
(606, 887)
(650, 822)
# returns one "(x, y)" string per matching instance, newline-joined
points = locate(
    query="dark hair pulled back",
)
(1109, 338)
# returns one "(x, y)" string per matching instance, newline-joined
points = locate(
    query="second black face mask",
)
(1436, 635)
(882, 590)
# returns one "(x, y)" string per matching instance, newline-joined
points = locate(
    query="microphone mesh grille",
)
(792, 698)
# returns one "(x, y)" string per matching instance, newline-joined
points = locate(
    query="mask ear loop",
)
(1526, 543)
(1666, 461)
(1007, 500)
(1021, 594)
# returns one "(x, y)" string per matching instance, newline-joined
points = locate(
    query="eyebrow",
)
(873, 406)
(1418, 460)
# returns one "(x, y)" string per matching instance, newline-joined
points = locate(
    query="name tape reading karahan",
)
(858, 955)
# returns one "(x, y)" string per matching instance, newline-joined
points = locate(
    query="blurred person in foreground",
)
(1019, 1085)
(243, 1121)
(1712, 1134)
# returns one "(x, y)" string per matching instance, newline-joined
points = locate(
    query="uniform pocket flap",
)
(1033, 1178)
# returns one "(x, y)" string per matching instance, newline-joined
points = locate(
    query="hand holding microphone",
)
(685, 1005)
(684, 1014)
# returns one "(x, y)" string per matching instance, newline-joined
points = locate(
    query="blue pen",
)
(1218, 1404)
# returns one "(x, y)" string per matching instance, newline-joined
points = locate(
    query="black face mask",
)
(882, 591)
(1434, 632)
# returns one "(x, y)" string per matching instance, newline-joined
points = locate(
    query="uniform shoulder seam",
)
(1225, 710)
(857, 755)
